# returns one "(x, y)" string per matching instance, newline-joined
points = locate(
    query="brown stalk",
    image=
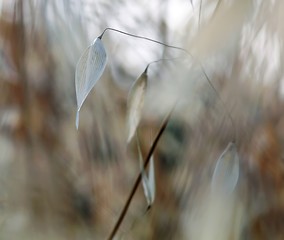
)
(139, 177)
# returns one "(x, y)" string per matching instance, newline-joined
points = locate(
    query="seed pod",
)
(226, 173)
(135, 103)
(89, 69)
(148, 182)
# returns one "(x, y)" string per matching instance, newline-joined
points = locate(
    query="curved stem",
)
(189, 54)
(144, 38)
(162, 59)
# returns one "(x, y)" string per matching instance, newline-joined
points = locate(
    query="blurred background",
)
(60, 183)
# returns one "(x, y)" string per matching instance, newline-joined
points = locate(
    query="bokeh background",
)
(60, 183)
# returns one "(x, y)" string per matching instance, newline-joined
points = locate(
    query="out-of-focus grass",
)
(59, 183)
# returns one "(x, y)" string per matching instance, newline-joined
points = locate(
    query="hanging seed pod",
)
(148, 182)
(135, 103)
(226, 172)
(89, 69)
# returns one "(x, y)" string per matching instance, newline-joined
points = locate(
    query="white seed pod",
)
(151, 178)
(135, 103)
(89, 69)
(148, 182)
(226, 172)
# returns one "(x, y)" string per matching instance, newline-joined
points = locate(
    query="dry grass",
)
(60, 183)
